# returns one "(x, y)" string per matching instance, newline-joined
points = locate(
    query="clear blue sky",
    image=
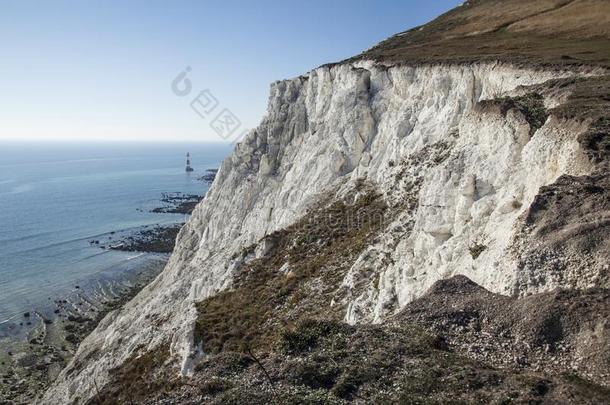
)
(92, 70)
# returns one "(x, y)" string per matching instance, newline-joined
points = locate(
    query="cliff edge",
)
(470, 146)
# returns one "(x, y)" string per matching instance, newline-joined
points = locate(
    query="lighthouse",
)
(188, 163)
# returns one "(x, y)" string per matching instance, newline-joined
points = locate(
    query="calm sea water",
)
(55, 198)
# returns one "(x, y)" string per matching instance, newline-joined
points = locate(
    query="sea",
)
(56, 198)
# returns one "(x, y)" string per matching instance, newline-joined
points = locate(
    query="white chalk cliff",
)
(414, 131)
(325, 130)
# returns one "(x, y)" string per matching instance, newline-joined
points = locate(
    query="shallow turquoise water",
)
(55, 198)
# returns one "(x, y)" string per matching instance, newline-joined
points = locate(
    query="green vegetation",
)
(318, 361)
(343, 358)
(328, 362)
(530, 105)
(307, 335)
(320, 248)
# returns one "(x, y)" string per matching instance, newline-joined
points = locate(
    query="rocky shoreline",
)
(178, 203)
(209, 176)
(48, 338)
(160, 239)
(38, 344)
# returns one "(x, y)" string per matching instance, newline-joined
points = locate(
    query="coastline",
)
(38, 339)
(37, 345)
(66, 207)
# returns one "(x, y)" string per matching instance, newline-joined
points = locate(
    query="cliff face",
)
(468, 158)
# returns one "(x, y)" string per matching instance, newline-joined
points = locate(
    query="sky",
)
(103, 70)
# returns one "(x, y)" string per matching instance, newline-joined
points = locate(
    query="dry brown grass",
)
(545, 32)
(136, 378)
(580, 19)
(319, 249)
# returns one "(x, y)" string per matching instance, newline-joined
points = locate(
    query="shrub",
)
(476, 250)
(531, 106)
(320, 248)
(316, 373)
(306, 336)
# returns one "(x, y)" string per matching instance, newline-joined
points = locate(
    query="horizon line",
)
(14, 140)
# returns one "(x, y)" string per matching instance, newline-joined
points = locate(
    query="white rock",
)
(323, 131)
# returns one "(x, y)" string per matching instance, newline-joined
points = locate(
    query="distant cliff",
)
(476, 145)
